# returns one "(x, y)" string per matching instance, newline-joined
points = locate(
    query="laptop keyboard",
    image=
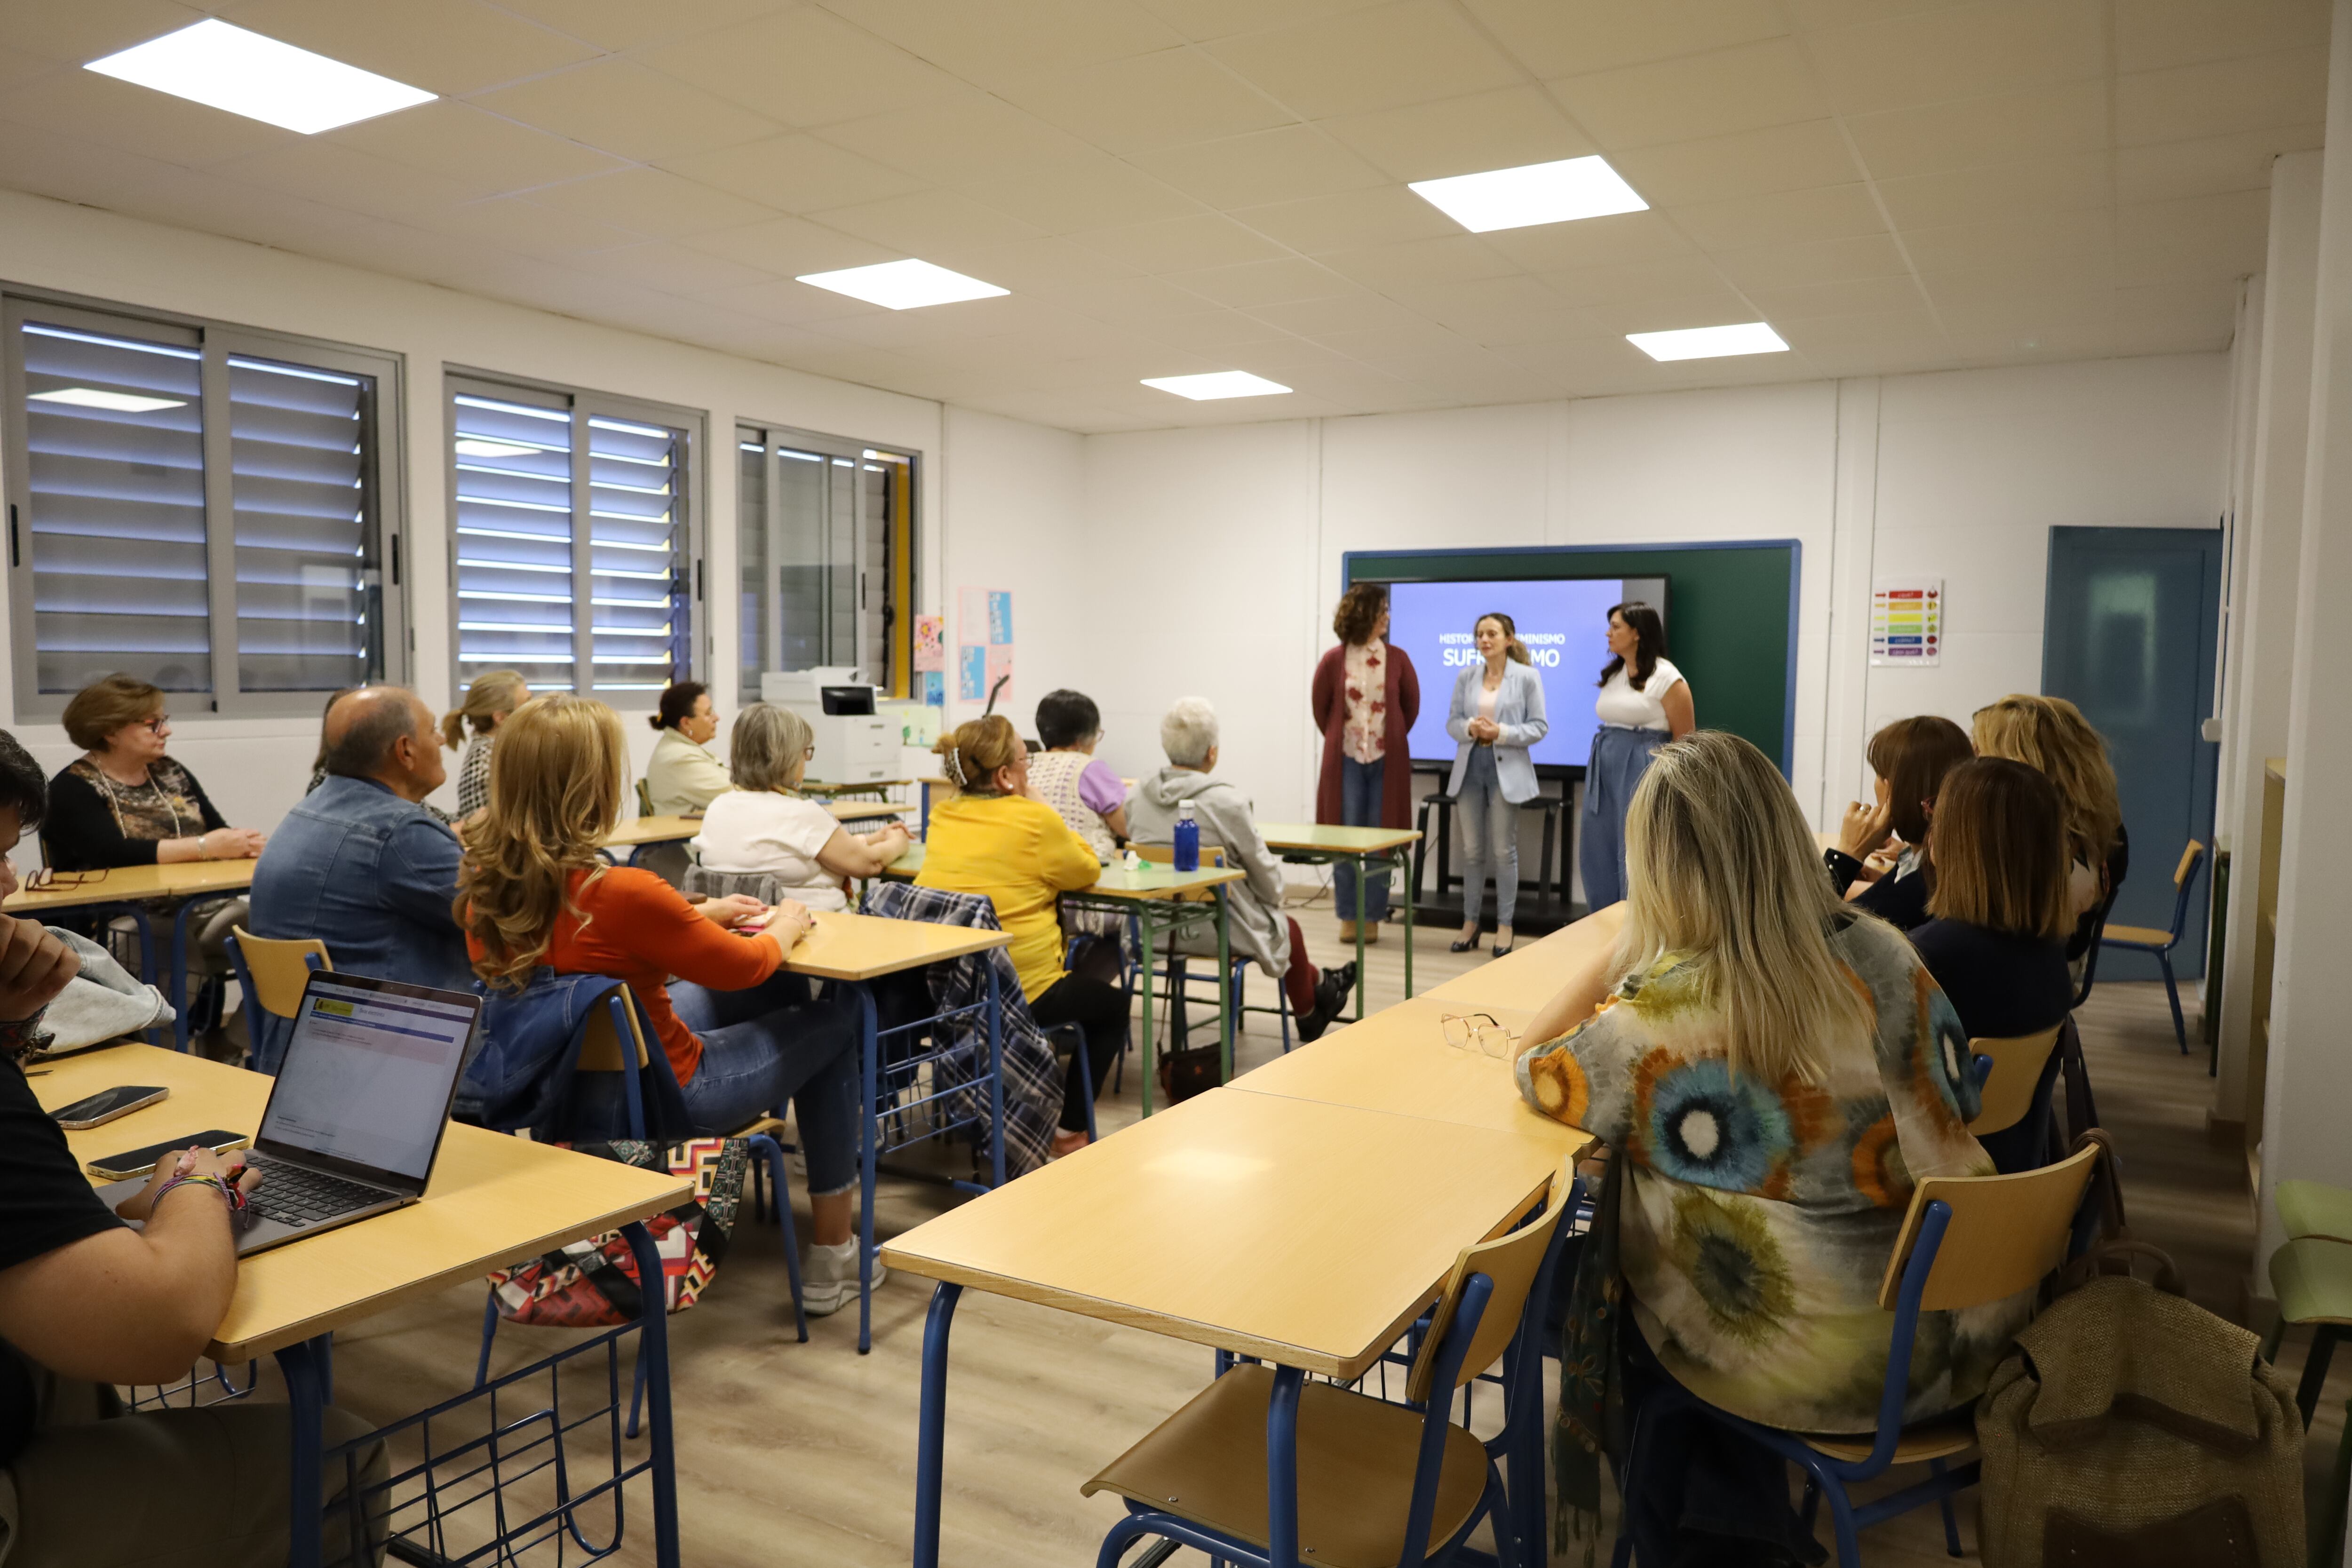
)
(292, 1195)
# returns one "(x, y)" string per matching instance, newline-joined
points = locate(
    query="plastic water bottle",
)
(1188, 839)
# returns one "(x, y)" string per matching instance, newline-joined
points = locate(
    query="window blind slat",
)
(514, 540)
(638, 629)
(305, 588)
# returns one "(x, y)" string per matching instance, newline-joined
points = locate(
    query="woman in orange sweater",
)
(740, 1031)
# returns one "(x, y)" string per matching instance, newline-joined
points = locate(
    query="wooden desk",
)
(186, 880)
(862, 810)
(1397, 1061)
(492, 1200)
(819, 790)
(1534, 974)
(639, 832)
(1321, 844)
(1306, 1233)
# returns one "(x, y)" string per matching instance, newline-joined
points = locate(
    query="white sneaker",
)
(829, 1278)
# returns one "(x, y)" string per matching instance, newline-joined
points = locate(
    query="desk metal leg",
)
(1224, 992)
(930, 1440)
(306, 1401)
(1282, 1469)
(1402, 859)
(1143, 932)
(179, 962)
(927, 810)
(653, 1361)
(1364, 871)
(869, 1060)
(995, 1079)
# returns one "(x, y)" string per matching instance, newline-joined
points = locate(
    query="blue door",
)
(2131, 616)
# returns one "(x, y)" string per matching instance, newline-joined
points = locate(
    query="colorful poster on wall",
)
(932, 688)
(1907, 621)
(984, 646)
(999, 619)
(972, 672)
(930, 642)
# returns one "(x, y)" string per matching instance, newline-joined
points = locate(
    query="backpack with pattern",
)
(594, 1283)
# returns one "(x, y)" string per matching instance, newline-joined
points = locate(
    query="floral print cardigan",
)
(1757, 1217)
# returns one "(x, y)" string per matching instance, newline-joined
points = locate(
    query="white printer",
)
(854, 743)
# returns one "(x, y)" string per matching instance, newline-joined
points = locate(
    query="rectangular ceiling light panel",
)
(1709, 342)
(229, 68)
(1532, 193)
(904, 285)
(1216, 384)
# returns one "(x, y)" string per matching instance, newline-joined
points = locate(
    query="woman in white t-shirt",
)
(1644, 702)
(761, 825)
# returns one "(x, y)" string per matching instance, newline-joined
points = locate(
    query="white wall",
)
(1020, 476)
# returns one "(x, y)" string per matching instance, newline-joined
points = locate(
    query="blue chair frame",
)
(244, 984)
(2184, 883)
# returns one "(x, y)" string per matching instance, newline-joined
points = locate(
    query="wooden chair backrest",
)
(1511, 1261)
(2188, 858)
(278, 969)
(644, 798)
(2006, 1233)
(2017, 1064)
(601, 1050)
(1212, 854)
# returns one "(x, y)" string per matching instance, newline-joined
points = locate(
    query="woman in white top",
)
(1644, 702)
(761, 825)
(1496, 715)
(683, 777)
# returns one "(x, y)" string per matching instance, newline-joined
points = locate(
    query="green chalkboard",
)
(1731, 615)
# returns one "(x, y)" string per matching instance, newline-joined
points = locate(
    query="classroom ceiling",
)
(1171, 186)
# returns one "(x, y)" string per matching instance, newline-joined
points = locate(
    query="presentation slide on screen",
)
(368, 1077)
(1563, 621)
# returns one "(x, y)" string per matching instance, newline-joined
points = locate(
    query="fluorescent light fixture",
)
(1709, 342)
(1216, 384)
(116, 402)
(474, 446)
(229, 68)
(1530, 194)
(904, 285)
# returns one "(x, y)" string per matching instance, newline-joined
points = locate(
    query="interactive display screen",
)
(1564, 621)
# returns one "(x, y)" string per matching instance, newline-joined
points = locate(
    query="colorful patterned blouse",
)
(1758, 1217)
(1364, 732)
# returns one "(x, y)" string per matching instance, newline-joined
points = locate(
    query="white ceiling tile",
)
(2209, 164)
(2177, 318)
(1991, 191)
(654, 202)
(381, 246)
(1818, 261)
(789, 247)
(1981, 51)
(1212, 333)
(1087, 189)
(441, 46)
(1410, 337)
(1291, 163)
(1814, 14)
(1256, 283)
(1801, 156)
(793, 303)
(1717, 307)
(89, 29)
(16, 66)
(2153, 34)
(622, 108)
(1203, 20)
(2195, 238)
(519, 225)
(1026, 266)
(1466, 136)
(667, 268)
(1912, 321)
(1133, 301)
(1391, 54)
(1322, 318)
(1553, 40)
(477, 149)
(1490, 310)
(1974, 292)
(951, 143)
(1784, 217)
(333, 174)
(926, 220)
(1714, 94)
(2044, 236)
(138, 119)
(631, 24)
(1592, 242)
(2286, 88)
(1847, 297)
(1450, 259)
(1586, 366)
(1168, 99)
(993, 41)
(1347, 220)
(1633, 281)
(1930, 138)
(44, 162)
(796, 174)
(1179, 244)
(804, 67)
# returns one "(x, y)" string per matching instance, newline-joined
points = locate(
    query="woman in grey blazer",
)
(1497, 715)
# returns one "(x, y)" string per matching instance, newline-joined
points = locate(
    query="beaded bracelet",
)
(233, 1194)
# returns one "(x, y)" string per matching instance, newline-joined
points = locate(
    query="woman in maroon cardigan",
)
(1365, 698)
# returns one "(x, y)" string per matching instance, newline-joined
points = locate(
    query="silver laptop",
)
(356, 1114)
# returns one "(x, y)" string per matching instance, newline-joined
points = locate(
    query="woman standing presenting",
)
(1366, 698)
(1497, 715)
(1644, 702)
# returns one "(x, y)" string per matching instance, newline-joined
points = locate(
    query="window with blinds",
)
(574, 549)
(196, 506)
(824, 529)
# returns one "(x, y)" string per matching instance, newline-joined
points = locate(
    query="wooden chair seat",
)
(2313, 1279)
(2136, 936)
(1939, 1437)
(1355, 1455)
(2315, 1208)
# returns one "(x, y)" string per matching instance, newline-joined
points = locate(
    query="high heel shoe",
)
(1464, 945)
(1503, 949)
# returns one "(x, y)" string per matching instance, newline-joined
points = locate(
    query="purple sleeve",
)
(1100, 789)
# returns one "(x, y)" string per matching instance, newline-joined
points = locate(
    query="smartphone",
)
(101, 1108)
(142, 1162)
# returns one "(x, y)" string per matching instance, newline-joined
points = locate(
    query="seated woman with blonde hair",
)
(2050, 735)
(1775, 1070)
(761, 825)
(737, 1028)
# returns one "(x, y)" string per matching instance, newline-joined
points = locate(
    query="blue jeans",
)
(1489, 829)
(768, 1044)
(1359, 806)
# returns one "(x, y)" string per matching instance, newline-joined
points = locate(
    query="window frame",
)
(887, 589)
(385, 500)
(586, 404)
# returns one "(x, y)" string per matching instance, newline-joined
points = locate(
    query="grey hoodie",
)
(1258, 926)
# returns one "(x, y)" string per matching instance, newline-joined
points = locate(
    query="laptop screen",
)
(369, 1074)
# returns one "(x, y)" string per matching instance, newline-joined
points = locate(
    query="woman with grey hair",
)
(1259, 928)
(761, 824)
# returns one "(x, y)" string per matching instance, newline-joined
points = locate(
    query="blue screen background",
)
(1564, 623)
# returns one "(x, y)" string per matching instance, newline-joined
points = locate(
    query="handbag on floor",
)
(2129, 1425)
(593, 1284)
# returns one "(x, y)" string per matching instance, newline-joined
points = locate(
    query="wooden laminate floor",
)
(804, 1454)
